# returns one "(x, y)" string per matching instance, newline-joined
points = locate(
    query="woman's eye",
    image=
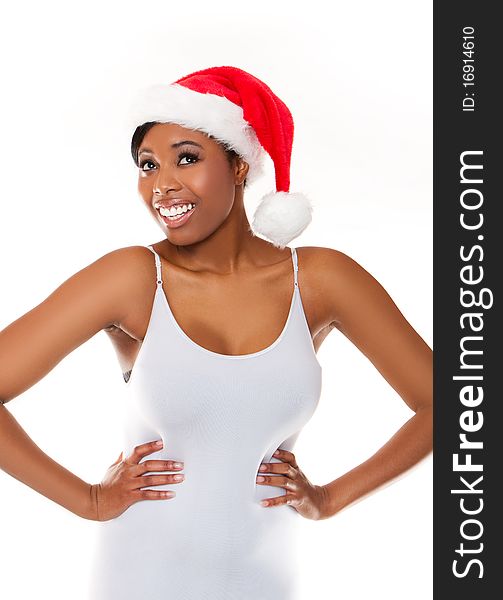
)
(193, 157)
(146, 162)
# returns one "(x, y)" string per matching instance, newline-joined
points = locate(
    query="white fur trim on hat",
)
(209, 113)
(282, 216)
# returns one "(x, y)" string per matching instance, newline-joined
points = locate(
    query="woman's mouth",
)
(176, 218)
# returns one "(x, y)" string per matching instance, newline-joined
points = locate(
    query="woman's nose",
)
(165, 182)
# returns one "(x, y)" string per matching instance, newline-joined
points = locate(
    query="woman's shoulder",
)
(324, 261)
(126, 269)
(336, 281)
(130, 259)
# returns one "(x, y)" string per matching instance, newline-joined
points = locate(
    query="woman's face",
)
(180, 166)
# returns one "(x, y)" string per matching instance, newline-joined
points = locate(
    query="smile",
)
(176, 219)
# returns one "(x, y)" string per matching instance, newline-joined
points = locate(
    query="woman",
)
(220, 376)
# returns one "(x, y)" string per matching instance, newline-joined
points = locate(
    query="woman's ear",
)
(242, 169)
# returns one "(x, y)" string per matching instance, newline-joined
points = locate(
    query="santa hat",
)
(243, 113)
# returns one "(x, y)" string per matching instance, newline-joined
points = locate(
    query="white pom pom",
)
(282, 216)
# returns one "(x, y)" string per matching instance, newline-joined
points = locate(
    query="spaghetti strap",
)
(295, 266)
(157, 265)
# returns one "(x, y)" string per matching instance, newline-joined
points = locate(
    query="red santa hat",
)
(243, 113)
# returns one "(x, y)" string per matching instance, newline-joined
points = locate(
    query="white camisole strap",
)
(157, 265)
(295, 266)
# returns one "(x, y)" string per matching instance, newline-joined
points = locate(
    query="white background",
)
(358, 80)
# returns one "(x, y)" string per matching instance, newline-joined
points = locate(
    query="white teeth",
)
(175, 210)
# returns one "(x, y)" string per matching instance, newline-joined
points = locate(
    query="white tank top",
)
(222, 415)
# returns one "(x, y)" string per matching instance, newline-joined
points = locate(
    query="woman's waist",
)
(211, 532)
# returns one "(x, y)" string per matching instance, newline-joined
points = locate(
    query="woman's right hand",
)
(120, 488)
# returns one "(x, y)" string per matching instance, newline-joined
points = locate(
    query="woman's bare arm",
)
(364, 312)
(30, 347)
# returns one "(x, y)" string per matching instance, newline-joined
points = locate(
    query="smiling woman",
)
(180, 176)
(241, 112)
(218, 330)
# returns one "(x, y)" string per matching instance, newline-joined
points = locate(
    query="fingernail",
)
(264, 502)
(178, 477)
(178, 465)
(262, 468)
(276, 453)
(158, 443)
(260, 478)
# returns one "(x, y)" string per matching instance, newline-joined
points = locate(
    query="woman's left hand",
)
(301, 494)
